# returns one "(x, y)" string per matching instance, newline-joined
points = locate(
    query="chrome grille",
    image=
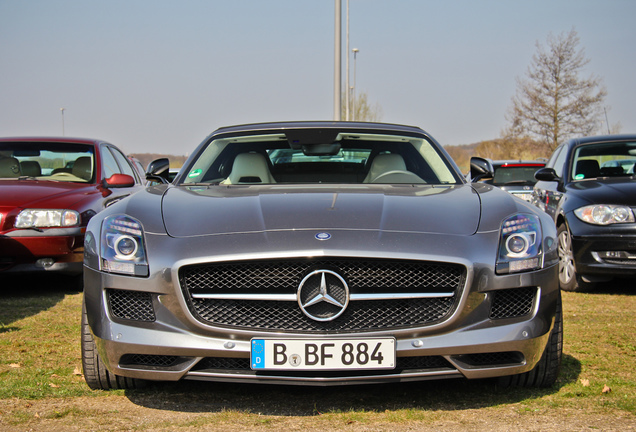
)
(283, 278)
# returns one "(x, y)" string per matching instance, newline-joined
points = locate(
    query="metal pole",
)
(337, 79)
(62, 109)
(355, 52)
(347, 103)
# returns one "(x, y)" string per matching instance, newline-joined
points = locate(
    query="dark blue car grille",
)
(284, 277)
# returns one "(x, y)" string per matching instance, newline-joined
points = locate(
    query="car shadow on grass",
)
(617, 286)
(454, 394)
(27, 295)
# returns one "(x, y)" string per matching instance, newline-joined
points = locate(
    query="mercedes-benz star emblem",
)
(323, 295)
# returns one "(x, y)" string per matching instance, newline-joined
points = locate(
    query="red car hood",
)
(42, 194)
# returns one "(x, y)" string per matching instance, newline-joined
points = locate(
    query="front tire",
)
(569, 279)
(545, 373)
(95, 373)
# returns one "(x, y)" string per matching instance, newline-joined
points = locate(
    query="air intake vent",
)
(512, 303)
(491, 359)
(131, 305)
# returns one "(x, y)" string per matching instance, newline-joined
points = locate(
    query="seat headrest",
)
(250, 168)
(83, 168)
(384, 163)
(31, 168)
(588, 168)
(9, 167)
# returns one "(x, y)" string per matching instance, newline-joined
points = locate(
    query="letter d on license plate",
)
(323, 354)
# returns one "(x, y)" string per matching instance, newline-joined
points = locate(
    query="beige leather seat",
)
(83, 168)
(9, 167)
(384, 163)
(250, 168)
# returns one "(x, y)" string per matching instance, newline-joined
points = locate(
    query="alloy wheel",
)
(567, 271)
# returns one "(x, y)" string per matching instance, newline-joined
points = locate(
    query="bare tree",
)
(553, 103)
(362, 110)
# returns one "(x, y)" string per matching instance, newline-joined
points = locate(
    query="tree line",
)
(553, 103)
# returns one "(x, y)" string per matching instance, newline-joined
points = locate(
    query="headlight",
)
(46, 218)
(122, 246)
(605, 214)
(520, 244)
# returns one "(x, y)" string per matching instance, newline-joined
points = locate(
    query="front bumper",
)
(604, 256)
(59, 250)
(172, 346)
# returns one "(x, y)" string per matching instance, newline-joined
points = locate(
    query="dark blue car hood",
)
(620, 191)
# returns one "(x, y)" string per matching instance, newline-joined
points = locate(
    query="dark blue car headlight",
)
(520, 246)
(123, 249)
(605, 214)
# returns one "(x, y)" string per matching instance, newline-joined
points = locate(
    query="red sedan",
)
(49, 189)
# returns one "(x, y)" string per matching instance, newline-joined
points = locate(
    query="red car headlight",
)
(47, 218)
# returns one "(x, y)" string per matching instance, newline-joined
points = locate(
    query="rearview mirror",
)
(120, 181)
(546, 174)
(321, 149)
(480, 169)
(158, 170)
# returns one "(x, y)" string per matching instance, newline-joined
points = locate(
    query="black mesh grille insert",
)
(131, 305)
(426, 362)
(223, 363)
(492, 359)
(148, 360)
(403, 363)
(510, 303)
(284, 277)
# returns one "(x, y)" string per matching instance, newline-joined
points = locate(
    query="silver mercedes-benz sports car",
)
(320, 253)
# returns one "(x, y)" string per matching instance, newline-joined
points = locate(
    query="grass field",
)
(42, 388)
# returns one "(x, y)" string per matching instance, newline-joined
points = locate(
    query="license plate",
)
(323, 354)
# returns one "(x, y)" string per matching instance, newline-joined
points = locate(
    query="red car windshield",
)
(66, 162)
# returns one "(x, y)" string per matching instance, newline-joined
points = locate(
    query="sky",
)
(158, 76)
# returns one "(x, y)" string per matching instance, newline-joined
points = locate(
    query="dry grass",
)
(41, 386)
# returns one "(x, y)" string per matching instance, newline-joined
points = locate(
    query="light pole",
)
(347, 101)
(353, 102)
(62, 110)
(337, 78)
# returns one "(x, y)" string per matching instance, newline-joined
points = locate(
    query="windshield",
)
(515, 174)
(604, 160)
(66, 162)
(359, 158)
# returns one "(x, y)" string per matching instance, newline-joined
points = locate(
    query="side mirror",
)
(158, 170)
(119, 181)
(480, 169)
(546, 174)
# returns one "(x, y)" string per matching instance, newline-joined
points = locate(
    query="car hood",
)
(41, 194)
(192, 211)
(620, 191)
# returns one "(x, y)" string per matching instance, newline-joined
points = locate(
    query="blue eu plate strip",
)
(258, 354)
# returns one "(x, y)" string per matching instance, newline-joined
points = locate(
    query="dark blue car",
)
(589, 189)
